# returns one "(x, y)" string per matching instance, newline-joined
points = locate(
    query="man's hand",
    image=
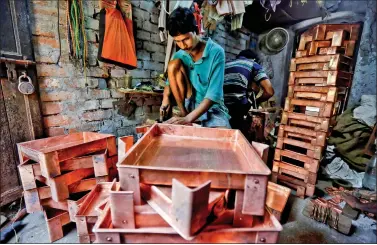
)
(164, 109)
(178, 120)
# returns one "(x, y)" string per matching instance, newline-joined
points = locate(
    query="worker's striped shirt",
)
(238, 74)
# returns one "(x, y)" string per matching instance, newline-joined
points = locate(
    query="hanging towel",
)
(116, 45)
(238, 7)
(223, 7)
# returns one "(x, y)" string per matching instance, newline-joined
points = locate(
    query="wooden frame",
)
(312, 151)
(252, 178)
(295, 171)
(302, 189)
(335, 62)
(324, 109)
(316, 138)
(310, 164)
(321, 78)
(315, 123)
(49, 152)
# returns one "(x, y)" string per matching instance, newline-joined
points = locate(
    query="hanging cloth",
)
(224, 7)
(116, 45)
(126, 8)
(238, 7)
(198, 17)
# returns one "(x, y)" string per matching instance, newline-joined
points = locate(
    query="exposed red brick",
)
(50, 132)
(50, 70)
(97, 115)
(55, 96)
(50, 108)
(56, 120)
(52, 42)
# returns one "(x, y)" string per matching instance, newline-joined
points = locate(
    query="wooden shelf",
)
(132, 91)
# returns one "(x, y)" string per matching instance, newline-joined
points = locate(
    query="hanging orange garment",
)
(117, 45)
(126, 8)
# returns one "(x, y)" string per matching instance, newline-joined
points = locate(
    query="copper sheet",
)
(265, 229)
(56, 143)
(185, 148)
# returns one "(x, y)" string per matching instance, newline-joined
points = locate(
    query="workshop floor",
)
(296, 229)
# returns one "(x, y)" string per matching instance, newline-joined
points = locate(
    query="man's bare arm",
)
(268, 91)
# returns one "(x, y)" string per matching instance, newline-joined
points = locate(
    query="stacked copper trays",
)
(57, 172)
(174, 187)
(319, 83)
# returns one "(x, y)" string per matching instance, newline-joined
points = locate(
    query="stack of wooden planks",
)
(182, 184)
(58, 172)
(319, 83)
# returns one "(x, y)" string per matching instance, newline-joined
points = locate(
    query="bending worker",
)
(195, 75)
(241, 75)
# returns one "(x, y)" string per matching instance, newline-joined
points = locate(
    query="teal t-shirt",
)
(206, 74)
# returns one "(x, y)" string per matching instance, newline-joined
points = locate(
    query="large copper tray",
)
(194, 155)
(49, 152)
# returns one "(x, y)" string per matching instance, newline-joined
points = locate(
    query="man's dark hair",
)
(181, 21)
(249, 54)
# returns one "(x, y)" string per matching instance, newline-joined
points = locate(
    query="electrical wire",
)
(60, 48)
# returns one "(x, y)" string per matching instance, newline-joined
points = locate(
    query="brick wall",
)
(72, 103)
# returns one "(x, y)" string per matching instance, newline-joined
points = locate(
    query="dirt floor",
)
(296, 228)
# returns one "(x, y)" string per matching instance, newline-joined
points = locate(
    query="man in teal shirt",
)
(195, 75)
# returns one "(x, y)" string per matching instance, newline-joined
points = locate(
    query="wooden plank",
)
(316, 138)
(317, 123)
(310, 164)
(10, 195)
(9, 156)
(311, 150)
(295, 171)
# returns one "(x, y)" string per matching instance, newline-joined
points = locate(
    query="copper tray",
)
(49, 152)
(265, 229)
(194, 155)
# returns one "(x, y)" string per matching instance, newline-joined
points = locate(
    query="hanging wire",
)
(60, 48)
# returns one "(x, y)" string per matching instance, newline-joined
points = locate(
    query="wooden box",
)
(50, 152)
(194, 155)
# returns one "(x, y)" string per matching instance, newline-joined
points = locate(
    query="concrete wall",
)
(364, 79)
(72, 103)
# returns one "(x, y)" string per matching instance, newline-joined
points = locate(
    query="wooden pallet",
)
(50, 152)
(288, 156)
(328, 94)
(337, 33)
(321, 78)
(312, 107)
(303, 148)
(322, 124)
(302, 189)
(294, 171)
(315, 138)
(336, 62)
